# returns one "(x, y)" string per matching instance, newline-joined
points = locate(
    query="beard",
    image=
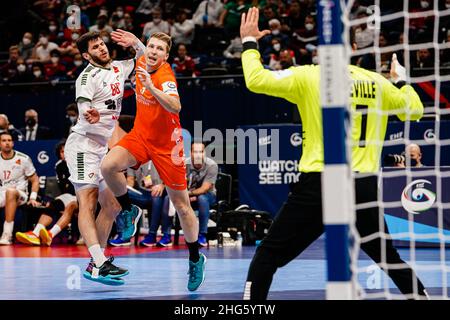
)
(100, 61)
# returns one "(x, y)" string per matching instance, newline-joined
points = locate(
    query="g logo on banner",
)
(43, 157)
(416, 198)
(429, 135)
(296, 139)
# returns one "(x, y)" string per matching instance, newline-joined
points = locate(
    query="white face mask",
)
(21, 67)
(309, 26)
(43, 40)
(37, 73)
(26, 41)
(103, 12)
(119, 14)
(275, 32)
(156, 20)
(78, 63)
(277, 47)
(315, 59)
(54, 59)
(52, 28)
(73, 119)
(447, 5)
(424, 4)
(75, 36)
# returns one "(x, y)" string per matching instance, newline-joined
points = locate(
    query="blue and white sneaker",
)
(196, 273)
(202, 240)
(149, 240)
(107, 274)
(131, 221)
(119, 242)
(165, 241)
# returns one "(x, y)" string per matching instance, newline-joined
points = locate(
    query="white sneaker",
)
(6, 239)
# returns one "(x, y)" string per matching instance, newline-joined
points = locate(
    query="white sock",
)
(97, 255)
(55, 230)
(38, 229)
(8, 228)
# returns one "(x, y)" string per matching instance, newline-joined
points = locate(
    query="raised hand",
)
(398, 72)
(249, 25)
(144, 76)
(124, 38)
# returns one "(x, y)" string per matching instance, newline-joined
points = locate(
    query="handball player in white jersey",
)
(99, 92)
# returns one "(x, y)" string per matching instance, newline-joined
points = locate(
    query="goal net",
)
(414, 176)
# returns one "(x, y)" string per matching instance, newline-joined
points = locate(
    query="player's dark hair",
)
(83, 41)
(58, 148)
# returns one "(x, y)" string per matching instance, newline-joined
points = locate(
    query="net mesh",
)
(421, 235)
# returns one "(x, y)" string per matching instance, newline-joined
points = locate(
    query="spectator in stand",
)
(53, 32)
(156, 25)
(230, 18)
(23, 74)
(275, 32)
(145, 9)
(302, 38)
(72, 117)
(55, 70)
(69, 48)
(183, 65)
(43, 48)
(101, 24)
(38, 72)
(128, 25)
(268, 14)
(5, 126)
(26, 46)
(33, 131)
(364, 36)
(9, 69)
(208, 13)
(272, 52)
(295, 19)
(422, 62)
(287, 59)
(77, 67)
(183, 29)
(368, 61)
(413, 154)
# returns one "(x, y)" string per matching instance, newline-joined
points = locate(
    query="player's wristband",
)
(400, 84)
(249, 45)
(33, 195)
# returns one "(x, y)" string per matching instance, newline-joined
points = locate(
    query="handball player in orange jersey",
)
(156, 136)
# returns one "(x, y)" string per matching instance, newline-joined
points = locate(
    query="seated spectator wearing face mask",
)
(33, 131)
(38, 73)
(76, 68)
(26, 46)
(23, 73)
(72, 117)
(43, 48)
(275, 32)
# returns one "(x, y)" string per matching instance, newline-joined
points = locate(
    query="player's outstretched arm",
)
(284, 84)
(127, 39)
(401, 99)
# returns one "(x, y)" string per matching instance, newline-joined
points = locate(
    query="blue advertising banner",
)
(265, 185)
(42, 153)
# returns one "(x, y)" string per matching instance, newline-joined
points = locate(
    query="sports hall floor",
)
(48, 273)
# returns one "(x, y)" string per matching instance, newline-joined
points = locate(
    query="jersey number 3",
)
(115, 89)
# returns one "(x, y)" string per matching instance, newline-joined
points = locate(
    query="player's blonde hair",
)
(163, 37)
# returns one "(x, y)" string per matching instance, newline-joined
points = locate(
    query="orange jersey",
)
(153, 123)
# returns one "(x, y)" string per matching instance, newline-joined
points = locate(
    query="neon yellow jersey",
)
(373, 98)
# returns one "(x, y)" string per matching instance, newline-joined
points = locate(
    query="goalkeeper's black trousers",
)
(299, 223)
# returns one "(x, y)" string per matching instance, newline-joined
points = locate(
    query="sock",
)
(124, 201)
(97, 255)
(8, 228)
(55, 230)
(194, 255)
(37, 229)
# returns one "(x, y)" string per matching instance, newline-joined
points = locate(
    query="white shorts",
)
(84, 156)
(23, 197)
(66, 198)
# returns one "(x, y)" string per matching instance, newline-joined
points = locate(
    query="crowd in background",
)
(206, 35)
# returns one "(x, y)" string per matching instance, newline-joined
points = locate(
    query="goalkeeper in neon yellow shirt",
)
(299, 221)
